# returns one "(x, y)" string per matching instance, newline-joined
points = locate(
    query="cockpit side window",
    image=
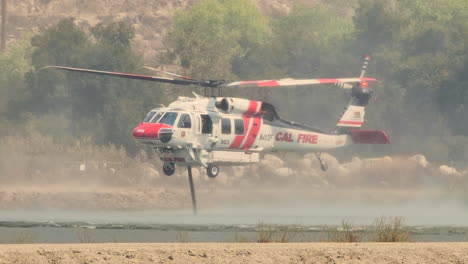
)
(157, 117)
(149, 117)
(169, 118)
(185, 121)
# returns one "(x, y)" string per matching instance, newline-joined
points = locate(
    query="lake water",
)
(427, 221)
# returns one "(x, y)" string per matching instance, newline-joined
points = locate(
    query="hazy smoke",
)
(36, 172)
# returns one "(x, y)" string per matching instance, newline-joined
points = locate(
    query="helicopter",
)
(212, 130)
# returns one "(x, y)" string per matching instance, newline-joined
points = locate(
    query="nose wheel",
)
(323, 164)
(168, 168)
(212, 171)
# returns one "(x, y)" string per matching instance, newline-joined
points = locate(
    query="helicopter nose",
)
(149, 130)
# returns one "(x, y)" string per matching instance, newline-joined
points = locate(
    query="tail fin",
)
(353, 116)
(354, 112)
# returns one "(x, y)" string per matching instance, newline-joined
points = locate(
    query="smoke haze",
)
(83, 182)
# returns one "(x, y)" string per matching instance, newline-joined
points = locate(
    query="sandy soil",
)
(92, 198)
(237, 253)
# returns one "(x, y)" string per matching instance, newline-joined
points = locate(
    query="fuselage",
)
(230, 124)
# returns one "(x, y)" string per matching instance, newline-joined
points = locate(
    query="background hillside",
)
(151, 18)
(418, 51)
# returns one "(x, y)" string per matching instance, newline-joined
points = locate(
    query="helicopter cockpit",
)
(169, 117)
(158, 116)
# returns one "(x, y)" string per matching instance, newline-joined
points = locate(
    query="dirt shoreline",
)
(236, 253)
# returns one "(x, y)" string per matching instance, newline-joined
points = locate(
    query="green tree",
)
(213, 33)
(102, 108)
(61, 44)
(14, 63)
(309, 42)
(420, 49)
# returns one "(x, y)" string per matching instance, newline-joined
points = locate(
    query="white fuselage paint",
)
(259, 135)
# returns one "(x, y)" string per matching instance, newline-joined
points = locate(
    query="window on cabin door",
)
(239, 126)
(226, 126)
(207, 124)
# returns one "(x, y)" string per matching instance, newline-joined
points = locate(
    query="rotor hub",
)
(363, 93)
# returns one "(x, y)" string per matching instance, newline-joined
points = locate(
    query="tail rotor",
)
(361, 94)
(367, 58)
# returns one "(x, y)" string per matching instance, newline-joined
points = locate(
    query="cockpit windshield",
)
(169, 118)
(149, 116)
(157, 117)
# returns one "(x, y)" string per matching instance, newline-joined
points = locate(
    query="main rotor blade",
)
(297, 82)
(169, 73)
(125, 75)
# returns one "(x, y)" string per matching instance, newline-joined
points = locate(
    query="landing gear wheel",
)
(168, 168)
(323, 164)
(212, 171)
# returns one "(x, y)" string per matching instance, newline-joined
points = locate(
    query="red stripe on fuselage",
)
(252, 109)
(246, 117)
(257, 122)
(240, 138)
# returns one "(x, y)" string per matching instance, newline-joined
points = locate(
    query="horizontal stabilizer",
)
(369, 137)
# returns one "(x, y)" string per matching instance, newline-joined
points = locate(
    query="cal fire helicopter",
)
(212, 130)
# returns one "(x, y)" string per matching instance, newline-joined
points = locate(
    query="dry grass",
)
(25, 237)
(271, 234)
(346, 232)
(265, 233)
(85, 235)
(36, 158)
(391, 229)
(238, 238)
(183, 237)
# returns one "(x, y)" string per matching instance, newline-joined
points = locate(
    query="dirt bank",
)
(238, 253)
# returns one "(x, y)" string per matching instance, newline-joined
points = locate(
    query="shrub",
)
(25, 237)
(182, 237)
(85, 235)
(391, 230)
(267, 233)
(346, 232)
(238, 238)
